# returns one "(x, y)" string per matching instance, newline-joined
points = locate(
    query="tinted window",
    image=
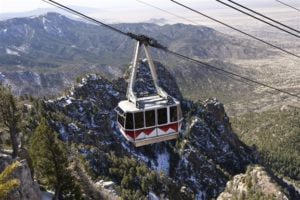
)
(162, 117)
(139, 119)
(121, 120)
(150, 118)
(179, 112)
(129, 121)
(173, 113)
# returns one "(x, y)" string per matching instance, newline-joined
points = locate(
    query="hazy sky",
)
(134, 11)
(27, 5)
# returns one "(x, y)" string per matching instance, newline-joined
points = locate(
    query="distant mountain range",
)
(42, 11)
(52, 43)
(54, 39)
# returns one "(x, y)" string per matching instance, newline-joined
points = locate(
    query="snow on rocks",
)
(152, 196)
(105, 184)
(163, 162)
(47, 195)
(63, 133)
(12, 52)
(2, 76)
(3, 30)
(23, 48)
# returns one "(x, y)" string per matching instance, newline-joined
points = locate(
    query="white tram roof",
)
(150, 102)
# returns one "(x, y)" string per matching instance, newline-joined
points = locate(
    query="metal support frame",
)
(159, 90)
(135, 63)
(130, 94)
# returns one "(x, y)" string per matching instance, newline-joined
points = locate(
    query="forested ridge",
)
(276, 135)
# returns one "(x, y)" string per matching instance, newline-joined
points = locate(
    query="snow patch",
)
(111, 90)
(93, 122)
(23, 48)
(37, 78)
(83, 81)
(4, 30)
(200, 195)
(73, 126)
(163, 162)
(221, 128)
(12, 52)
(50, 28)
(64, 134)
(68, 102)
(225, 148)
(59, 30)
(93, 77)
(65, 100)
(152, 196)
(47, 195)
(194, 121)
(44, 20)
(2, 76)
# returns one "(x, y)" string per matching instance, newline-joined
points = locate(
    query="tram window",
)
(162, 117)
(139, 119)
(129, 121)
(179, 112)
(173, 113)
(121, 120)
(150, 118)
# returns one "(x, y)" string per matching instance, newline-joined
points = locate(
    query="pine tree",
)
(6, 183)
(50, 162)
(9, 116)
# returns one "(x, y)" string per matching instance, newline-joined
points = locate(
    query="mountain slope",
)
(55, 39)
(275, 133)
(52, 43)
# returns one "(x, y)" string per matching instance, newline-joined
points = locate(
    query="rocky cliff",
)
(255, 183)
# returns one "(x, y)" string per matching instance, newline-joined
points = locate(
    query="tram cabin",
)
(158, 119)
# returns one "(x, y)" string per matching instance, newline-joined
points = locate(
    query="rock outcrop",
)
(255, 183)
(209, 152)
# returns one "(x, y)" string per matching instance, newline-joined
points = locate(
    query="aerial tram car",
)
(148, 119)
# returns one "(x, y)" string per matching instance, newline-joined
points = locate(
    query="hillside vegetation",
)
(276, 134)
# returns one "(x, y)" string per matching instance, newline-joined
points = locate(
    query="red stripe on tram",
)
(169, 126)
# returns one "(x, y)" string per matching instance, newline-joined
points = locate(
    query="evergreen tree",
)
(9, 116)
(6, 183)
(50, 162)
